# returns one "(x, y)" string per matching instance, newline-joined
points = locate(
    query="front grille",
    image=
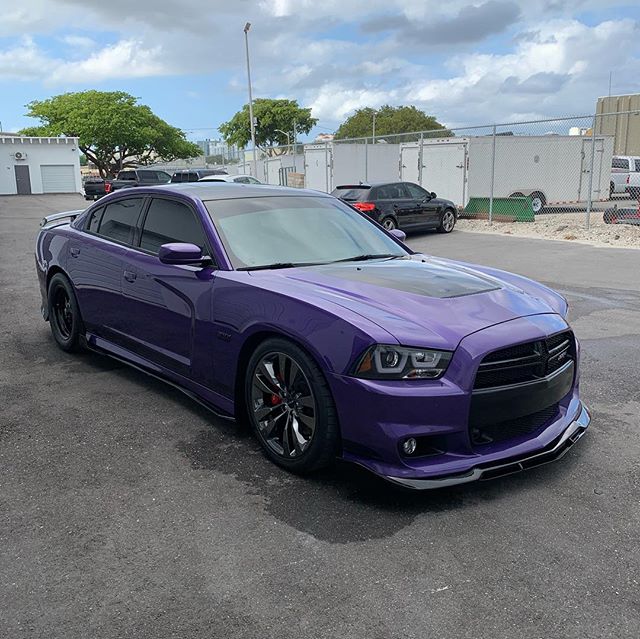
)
(525, 362)
(512, 428)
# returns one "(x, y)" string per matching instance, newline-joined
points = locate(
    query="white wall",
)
(38, 151)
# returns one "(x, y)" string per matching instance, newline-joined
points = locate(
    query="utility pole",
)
(252, 121)
(374, 127)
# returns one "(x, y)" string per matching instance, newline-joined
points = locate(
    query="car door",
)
(168, 305)
(404, 207)
(96, 261)
(427, 211)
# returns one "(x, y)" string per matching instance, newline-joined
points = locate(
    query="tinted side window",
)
(169, 221)
(148, 176)
(120, 218)
(192, 177)
(620, 163)
(163, 177)
(241, 180)
(176, 177)
(637, 166)
(415, 192)
(94, 220)
(391, 192)
(252, 180)
(127, 175)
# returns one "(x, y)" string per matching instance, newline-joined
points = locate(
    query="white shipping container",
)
(552, 169)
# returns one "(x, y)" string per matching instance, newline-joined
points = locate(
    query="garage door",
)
(58, 178)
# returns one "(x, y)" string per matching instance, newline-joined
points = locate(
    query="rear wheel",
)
(64, 314)
(447, 222)
(389, 223)
(290, 407)
(538, 200)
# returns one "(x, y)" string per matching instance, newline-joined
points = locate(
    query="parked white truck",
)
(551, 169)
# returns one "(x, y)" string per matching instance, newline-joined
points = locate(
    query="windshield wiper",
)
(276, 265)
(368, 256)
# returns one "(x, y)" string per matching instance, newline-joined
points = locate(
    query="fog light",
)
(409, 446)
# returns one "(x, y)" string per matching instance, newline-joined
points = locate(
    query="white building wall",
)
(38, 151)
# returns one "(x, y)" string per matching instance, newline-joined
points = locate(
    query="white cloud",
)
(124, 59)
(79, 42)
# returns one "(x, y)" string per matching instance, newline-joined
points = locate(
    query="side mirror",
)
(433, 195)
(398, 234)
(180, 253)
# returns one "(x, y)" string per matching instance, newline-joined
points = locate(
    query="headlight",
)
(399, 362)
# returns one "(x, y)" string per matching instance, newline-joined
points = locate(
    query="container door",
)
(273, 171)
(409, 159)
(317, 167)
(444, 170)
(596, 193)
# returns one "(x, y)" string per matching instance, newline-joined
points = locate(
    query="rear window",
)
(352, 193)
(620, 163)
(637, 165)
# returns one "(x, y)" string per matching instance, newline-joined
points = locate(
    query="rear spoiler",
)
(61, 218)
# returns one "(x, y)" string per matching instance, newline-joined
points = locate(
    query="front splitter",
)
(507, 466)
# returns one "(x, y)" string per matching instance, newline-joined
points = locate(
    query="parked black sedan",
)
(403, 205)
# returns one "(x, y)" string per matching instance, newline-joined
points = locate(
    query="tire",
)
(64, 314)
(291, 411)
(389, 223)
(447, 221)
(538, 201)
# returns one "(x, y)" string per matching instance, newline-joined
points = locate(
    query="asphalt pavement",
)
(127, 510)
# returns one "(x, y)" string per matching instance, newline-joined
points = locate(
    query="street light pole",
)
(374, 127)
(251, 120)
(285, 133)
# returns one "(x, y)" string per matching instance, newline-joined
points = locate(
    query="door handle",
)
(130, 276)
(75, 251)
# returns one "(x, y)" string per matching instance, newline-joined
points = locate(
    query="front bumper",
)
(461, 436)
(557, 449)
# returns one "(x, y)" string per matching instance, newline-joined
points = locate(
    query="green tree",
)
(114, 131)
(273, 118)
(389, 120)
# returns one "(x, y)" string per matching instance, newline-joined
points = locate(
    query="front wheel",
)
(64, 314)
(290, 407)
(447, 222)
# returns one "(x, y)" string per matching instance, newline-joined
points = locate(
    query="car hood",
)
(421, 301)
(442, 202)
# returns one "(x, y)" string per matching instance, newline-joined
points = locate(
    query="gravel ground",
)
(564, 226)
(127, 511)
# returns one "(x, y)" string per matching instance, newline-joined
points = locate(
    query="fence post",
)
(420, 159)
(366, 159)
(591, 163)
(493, 174)
(326, 165)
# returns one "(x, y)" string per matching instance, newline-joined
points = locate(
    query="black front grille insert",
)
(512, 428)
(525, 362)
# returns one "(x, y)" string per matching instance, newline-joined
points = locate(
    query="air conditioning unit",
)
(19, 155)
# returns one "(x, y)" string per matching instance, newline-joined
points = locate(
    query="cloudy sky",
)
(465, 62)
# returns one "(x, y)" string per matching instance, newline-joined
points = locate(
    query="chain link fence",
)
(500, 172)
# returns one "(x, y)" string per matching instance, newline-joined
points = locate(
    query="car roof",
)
(228, 190)
(370, 185)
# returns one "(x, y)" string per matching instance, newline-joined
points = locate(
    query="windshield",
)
(351, 194)
(285, 230)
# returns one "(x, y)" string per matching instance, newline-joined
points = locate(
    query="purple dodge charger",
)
(292, 311)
